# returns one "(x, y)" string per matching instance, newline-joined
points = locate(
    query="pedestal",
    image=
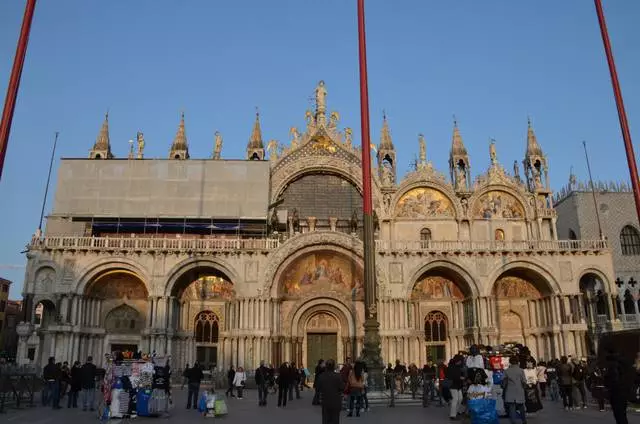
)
(371, 355)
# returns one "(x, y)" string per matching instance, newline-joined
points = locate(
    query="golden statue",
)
(492, 152)
(272, 148)
(347, 136)
(295, 142)
(140, 139)
(321, 98)
(218, 146)
(333, 119)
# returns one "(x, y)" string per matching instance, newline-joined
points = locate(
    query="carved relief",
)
(498, 204)
(118, 286)
(319, 272)
(322, 321)
(424, 202)
(251, 271)
(45, 280)
(510, 321)
(515, 287)
(436, 287)
(123, 319)
(209, 288)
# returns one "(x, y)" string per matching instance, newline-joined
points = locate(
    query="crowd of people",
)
(74, 382)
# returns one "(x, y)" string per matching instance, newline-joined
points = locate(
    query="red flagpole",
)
(364, 112)
(14, 81)
(622, 114)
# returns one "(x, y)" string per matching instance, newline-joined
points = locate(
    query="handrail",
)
(266, 244)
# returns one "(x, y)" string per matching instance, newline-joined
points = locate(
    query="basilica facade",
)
(234, 261)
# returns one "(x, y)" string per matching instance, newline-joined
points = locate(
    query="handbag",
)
(221, 407)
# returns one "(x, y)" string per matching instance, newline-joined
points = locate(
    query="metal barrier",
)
(18, 384)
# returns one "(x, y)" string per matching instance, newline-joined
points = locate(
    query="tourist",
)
(284, 379)
(552, 380)
(566, 383)
(356, 387)
(514, 383)
(320, 368)
(619, 381)
(65, 378)
(194, 377)
(296, 380)
(597, 386)
(51, 390)
(185, 373)
(239, 380)
(262, 379)
(89, 372)
(578, 376)
(76, 385)
(331, 388)
(231, 374)
(365, 399)
(541, 374)
(456, 376)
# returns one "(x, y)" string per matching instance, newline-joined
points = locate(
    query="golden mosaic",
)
(209, 288)
(515, 287)
(321, 272)
(118, 286)
(424, 202)
(435, 287)
(498, 204)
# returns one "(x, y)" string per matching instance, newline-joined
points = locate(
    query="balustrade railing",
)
(265, 244)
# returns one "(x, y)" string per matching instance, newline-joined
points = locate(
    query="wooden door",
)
(207, 356)
(321, 346)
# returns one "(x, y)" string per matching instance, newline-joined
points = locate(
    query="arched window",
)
(572, 235)
(628, 303)
(425, 235)
(206, 328)
(630, 241)
(435, 327)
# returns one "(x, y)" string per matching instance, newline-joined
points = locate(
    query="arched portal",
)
(321, 333)
(521, 298)
(116, 300)
(206, 334)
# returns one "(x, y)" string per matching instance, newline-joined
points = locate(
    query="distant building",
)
(9, 342)
(618, 221)
(4, 297)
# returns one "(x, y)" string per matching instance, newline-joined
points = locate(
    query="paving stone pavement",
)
(247, 411)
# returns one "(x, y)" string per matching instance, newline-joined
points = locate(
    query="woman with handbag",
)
(239, 380)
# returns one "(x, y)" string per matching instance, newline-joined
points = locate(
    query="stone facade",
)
(617, 219)
(457, 261)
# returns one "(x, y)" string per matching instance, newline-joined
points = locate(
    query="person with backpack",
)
(578, 376)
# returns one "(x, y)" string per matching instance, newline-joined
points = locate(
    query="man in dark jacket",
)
(262, 381)
(320, 368)
(456, 375)
(284, 379)
(331, 387)
(618, 380)
(51, 375)
(231, 375)
(76, 385)
(89, 372)
(194, 377)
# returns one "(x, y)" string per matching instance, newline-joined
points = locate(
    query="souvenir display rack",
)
(136, 387)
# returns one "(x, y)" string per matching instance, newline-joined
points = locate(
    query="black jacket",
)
(331, 386)
(195, 375)
(284, 376)
(455, 374)
(51, 372)
(76, 379)
(89, 376)
(262, 375)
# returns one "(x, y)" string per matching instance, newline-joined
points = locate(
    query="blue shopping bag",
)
(483, 411)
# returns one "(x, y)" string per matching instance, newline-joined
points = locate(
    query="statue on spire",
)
(217, 151)
(423, 149)
(140, 139)
(321, 102)
(492, 153)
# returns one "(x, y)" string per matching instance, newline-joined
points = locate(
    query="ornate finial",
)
(257, 112)
(492, 151)
(384, 115)
(131, 156)
(321, 103)
(423, 149)
(455, 121)
(140, 139)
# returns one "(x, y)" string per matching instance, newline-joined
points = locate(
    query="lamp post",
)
(371, 352)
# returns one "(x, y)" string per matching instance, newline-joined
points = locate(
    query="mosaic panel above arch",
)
(424, 202)
(498, 204)
(510, 322)
(322, 322)
(511, 287)
(209, 287)
(118, 285)
(436, 287)
(321, 272)
(123, 319)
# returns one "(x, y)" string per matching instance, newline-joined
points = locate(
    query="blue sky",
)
(491, 63)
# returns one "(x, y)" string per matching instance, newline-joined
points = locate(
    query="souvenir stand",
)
(137, 387)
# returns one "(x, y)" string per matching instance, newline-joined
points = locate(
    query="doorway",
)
(321, 346)
(436, 353)
(207, 356)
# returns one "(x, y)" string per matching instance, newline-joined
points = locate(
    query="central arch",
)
(323, 328)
